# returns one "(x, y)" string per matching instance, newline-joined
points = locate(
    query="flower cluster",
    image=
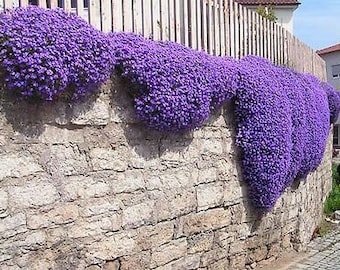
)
(45, 54)
(333, 100)
(283, 117)
(283, 125)
(177, 86)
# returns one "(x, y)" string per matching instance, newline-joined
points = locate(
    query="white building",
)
(283, 10)
(331, 55)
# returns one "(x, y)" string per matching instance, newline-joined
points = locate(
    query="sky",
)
(317, 23)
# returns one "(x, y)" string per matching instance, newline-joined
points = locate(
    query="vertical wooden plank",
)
(217, 28)
(241, 31)
(117, 19)
(276, 58)
(193, 25)
(246, 30)
(185, 20)
(43, 4)
(199, 24)
(156, 20)
(226, 15)
(137, 17)
(164, 19)
(232, 29)
(210, 27)
(23, 3)
(80, 9)
(54, 3)
(106, 15)
(94, 13)
(237, 30)
(178, 17)
(222, 27)
(8, 4)
(147, 18)
(204, 25)
(253, 31)
(172, 24)
(127, 16)
(67, 5)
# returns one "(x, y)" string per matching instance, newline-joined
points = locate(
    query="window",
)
(336, 72)
(73, 3)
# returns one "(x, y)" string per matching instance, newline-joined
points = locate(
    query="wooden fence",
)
(219, 27)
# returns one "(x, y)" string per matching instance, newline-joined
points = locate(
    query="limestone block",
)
(153, 236)
(188, 262)
(209, 195)
(139, 214)
(32, 194)
(128, 181)
(139, 261)
(64, 160)
(53, 134)
(200, 242)
(99, 206)
(64, 214)
(18, 165)
(96, 114)
(109, 159)
(3, 203)
(112, 265)
(204, 221)
(112, 247)
(80, 187)
(12, 225)
(168, 252)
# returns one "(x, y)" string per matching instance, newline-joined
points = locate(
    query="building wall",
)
(85, 186)
(285, 16)
(332, 59)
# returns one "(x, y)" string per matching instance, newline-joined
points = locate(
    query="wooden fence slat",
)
(232, 29)
(8, 4)
(178, 31)
(106, 15)
(42, 3)
(217, 47)
(204, 26)
(147, 18)
(199, 24)
(193, 24)
(237, 30)
(185, 18)
(127, 16)
(156, 20)
(172, 23)
(54, 3)
(117, 11)
(222, 27)
(164, 25)
(67, 5)
(138, 16)
(210, 27)
(23, 3)
(226, 15)
(80, 10)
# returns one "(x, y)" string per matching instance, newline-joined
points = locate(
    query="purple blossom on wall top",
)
(45, 53)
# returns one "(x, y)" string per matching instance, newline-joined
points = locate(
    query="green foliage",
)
(333, 200)
(266, 12)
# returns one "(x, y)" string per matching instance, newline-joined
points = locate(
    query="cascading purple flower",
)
(47, 53)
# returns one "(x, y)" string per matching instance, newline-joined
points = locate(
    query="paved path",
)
(323, 253)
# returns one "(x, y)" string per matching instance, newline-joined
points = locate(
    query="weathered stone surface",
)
(168, 252)
(12, 225)
(85, 186)
(209, 195)
(96, 114)
(3, 203)
(137, 215)
(33, 194)
(109, 159)
(15, 165)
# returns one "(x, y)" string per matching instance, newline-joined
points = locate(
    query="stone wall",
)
(86, 187)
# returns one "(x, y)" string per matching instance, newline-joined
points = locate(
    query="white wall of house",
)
(284, 14)
(331, 60)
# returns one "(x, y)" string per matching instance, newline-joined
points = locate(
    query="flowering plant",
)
(47, 53)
